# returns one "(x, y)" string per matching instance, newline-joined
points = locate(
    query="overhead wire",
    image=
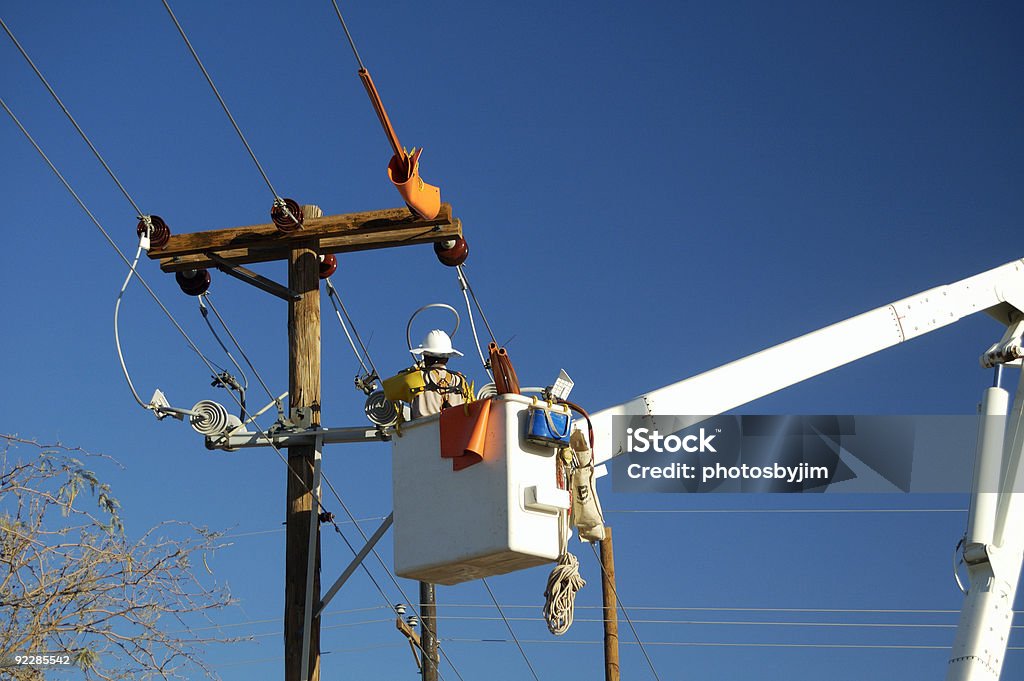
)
(71, 118)
(718, 644)
(332, 295)
(789, 510)
(223, 104)
(464, 287)
(480, 309)
(245, 357)
(278, 201)
(225, 379)
(205, 314)
(117, 331)
(852, 625)
(278, 530)
(138, 211)
(277, 620)
(356, 649)
(108, 238)
(351, 42)
(912, 611)
(508, 625)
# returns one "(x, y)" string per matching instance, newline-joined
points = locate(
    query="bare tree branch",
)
(72, 582)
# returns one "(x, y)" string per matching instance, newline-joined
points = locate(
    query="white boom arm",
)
(998, 291)
(993, 548)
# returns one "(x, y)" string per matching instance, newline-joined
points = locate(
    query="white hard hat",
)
(437, 343)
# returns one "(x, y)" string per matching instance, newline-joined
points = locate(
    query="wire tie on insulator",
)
(145, 237)
(153, 231)
(286, 214)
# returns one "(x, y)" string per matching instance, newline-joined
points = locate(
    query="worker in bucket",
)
(443, 387)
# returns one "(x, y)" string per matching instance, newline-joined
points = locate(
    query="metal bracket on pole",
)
(286, 438)
(359, 557)
(314, 520)
(250, 277)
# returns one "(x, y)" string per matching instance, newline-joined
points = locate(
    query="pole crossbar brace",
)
(252, 278)
(359, 557)
(284, 438)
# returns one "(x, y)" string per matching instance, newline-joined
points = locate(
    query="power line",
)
(720, 644)
(736, 609)
(278, 658)
(790, 510)
(276, 620)
(324, 627)
(203, 311)
(760, 623)
(107, 236)
(508, 625)
(348, 35)
(332, 295)
(278, 530)
(223, 104)
(138, 211)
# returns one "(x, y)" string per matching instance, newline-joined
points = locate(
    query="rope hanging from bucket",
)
(565, 580)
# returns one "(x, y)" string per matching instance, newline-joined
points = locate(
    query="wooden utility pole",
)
(428, 627)
(610, 601)
(304, 396)
(228, 250)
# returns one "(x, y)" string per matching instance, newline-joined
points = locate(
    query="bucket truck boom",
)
(993, 550)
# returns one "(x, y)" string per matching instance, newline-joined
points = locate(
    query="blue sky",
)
(649, 190)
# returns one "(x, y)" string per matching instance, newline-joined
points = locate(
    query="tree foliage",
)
(73, 582)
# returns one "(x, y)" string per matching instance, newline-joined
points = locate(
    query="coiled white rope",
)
(560, 595)
(563, 583)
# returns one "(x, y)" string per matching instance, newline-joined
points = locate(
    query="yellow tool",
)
(404, 385)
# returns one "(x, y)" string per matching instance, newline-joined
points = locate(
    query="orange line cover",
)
(463, 433)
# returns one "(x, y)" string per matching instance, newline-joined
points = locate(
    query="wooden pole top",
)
(329, 234)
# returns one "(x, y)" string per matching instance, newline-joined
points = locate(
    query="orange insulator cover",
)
(505, 379)
(403, 170)
(422, 198)
(463, 432)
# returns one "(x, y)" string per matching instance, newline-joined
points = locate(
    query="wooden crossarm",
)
(331, 234)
